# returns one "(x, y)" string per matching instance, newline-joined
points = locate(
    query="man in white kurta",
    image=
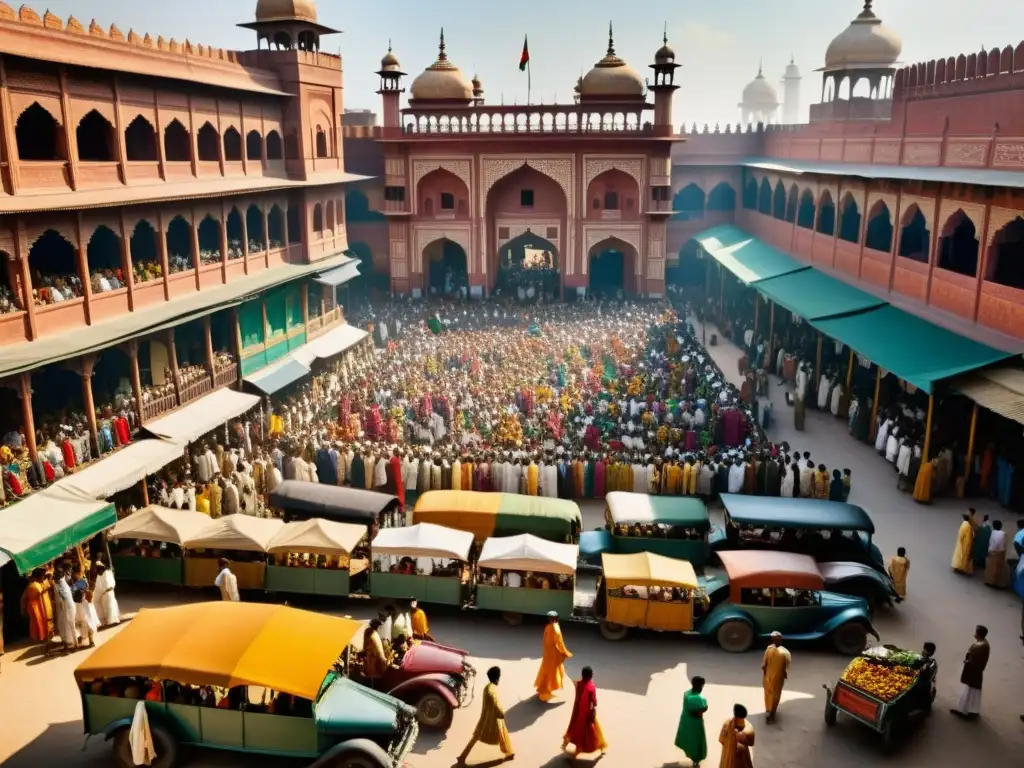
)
(227, 583)
(107, 609)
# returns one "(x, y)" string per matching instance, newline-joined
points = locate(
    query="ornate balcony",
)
(530, 120)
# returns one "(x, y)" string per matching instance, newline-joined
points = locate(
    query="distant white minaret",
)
(791, 94)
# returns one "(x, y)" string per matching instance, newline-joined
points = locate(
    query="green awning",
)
(909, 347)
(796, 513)
(813, 295)
(46, 525)
(749, 259)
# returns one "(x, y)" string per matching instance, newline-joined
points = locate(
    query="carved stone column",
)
(86, 366)
(133, 357)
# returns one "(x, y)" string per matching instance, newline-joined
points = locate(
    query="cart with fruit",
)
(884, 688)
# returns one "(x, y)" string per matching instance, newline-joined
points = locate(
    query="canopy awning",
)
(301, 499)
(317, 536)
(45, 525)
(784, 512)
(1000, 390)
(119, 471)
(646, 569)
(335, 341)
(174, 644)
(156, 523)
(204, 415)
(278, 376)
(241, 533)
(529, 553)
(913, 349)
(423, 540)
(813, 295)
(339, 275)
(748, 258)
(682, 511)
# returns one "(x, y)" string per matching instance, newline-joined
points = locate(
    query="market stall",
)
(244, 540)
(135, 556)
(547, 573)
(326, 565)
(883, 688)
(424, 561)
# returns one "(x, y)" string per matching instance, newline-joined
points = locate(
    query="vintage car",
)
(674, 526)
(826, 530)
(285, 695)
(433, 678)
(861, 581)
(763, 592)
(779, 591)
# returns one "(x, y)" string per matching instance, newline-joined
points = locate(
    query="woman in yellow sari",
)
(38, 607)
(736, 738)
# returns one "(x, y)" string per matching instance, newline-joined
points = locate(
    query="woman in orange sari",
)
(38, 607)
(584, 731)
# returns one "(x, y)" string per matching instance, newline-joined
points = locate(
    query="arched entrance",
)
(611, 268)
(528, 267)
(524, 199)
(447, 269)
(690, 271)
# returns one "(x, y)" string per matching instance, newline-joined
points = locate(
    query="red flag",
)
(524, 57)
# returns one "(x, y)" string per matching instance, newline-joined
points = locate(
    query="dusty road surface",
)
(641, 680)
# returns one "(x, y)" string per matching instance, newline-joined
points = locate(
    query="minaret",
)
(791, 94)
(664, 86)
(391, 89)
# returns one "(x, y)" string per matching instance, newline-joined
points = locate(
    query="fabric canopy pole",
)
(926, 452)
(817, 362)
(873, 426)
(849, 373)
(970, 449)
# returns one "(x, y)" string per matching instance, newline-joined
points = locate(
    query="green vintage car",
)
(281, 691)
(672, 526)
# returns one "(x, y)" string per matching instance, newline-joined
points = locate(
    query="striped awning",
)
(1000, 390)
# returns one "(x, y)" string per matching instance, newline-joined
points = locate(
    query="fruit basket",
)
(881, 688)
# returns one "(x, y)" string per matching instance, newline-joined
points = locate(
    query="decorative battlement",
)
(533, 119)
(52, 22)
(970, 73)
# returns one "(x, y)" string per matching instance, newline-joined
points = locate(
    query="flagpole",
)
(529, 81)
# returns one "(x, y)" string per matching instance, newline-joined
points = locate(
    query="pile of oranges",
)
(883, 681)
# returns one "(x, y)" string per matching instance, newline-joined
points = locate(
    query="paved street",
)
(641, 681)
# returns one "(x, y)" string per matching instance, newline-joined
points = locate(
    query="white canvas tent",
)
(156, 523)
(317, 536)
(529, 553)
(423, 540)
(241, 533)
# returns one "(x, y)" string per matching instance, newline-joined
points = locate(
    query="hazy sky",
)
(718, 42)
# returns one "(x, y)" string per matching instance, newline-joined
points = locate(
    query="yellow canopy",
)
(225, 644)
(317, 536)
(645, 569)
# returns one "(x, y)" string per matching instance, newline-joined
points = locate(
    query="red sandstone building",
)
(907, 181)
(167, 208)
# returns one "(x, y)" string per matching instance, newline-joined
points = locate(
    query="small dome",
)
(866, 42)
(611, 76)
(286, 10)
(760, 93)
(390, 62)
(441, 81)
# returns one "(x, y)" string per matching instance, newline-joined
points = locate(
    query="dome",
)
(286, 10)
(441, 81)
(866, 42)
(665, 54)
(390, 62)
(760, 93)
(611, 76)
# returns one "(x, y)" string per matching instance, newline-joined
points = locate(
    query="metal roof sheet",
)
(1000, 390)
(983, 176)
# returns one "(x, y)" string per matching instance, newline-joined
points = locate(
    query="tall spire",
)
(664, 37)
(760, 64)
(389, 45)
(441, 55)
(611, 41)
(867, 13)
